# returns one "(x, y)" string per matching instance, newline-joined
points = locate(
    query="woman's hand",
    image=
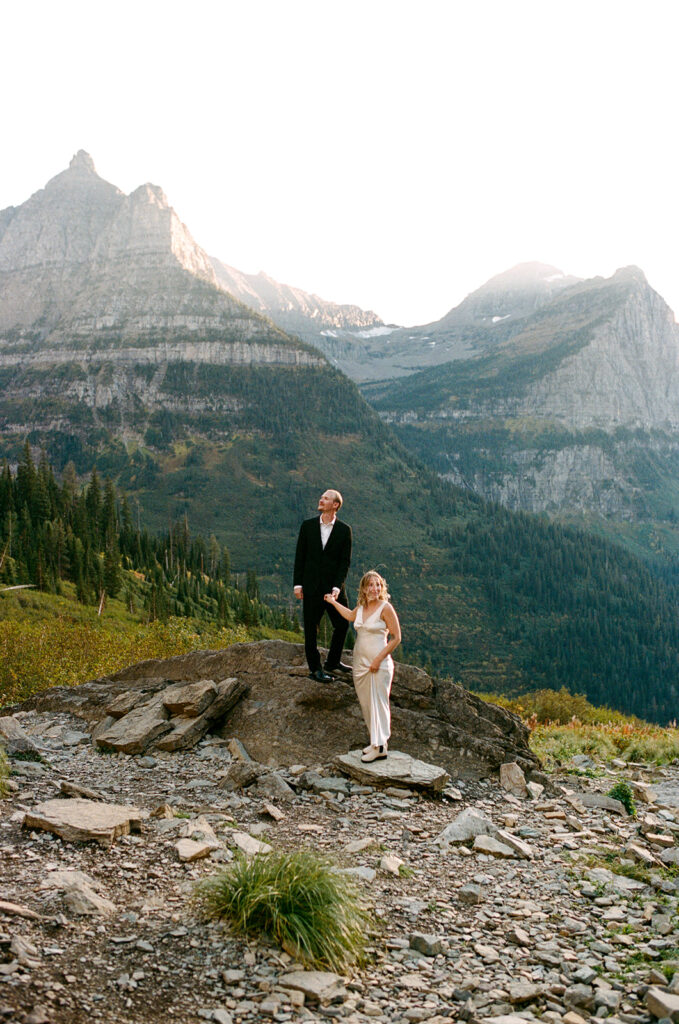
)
(375, 664)
(330, 598)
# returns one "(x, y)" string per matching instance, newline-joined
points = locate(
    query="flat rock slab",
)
(84, 820)
(606, 803)
(396, 768)
(320, 986)
(190, 699)
(133, 733)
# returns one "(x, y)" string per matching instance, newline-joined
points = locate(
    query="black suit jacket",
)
(318, 569)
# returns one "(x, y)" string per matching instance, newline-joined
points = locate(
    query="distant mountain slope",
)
(484, 319)
(119, 346)
(575, 413)
(341, 332)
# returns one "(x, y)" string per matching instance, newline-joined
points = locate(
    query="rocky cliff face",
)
(80, 259)
(342, 332)
(576, 411)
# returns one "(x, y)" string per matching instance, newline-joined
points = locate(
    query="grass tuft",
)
(295, 899)
(621, 791)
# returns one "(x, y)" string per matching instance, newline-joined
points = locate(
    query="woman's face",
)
(373, 588)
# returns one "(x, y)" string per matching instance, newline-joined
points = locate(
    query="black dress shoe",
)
(339, 667)
(320, 676)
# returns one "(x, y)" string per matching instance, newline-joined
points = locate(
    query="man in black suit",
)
(322, 562)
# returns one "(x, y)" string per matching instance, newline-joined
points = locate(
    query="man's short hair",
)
(338, 497)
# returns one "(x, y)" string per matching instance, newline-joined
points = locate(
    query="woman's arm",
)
(346, 613)
(394, 627)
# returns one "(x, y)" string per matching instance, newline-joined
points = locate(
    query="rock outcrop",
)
(573, 410)
(263, 697)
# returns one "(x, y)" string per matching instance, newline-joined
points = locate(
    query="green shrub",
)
(295, 899)
(622, 792)
(4, 772)
(558, 707)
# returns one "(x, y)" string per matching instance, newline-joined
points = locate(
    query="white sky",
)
(388, 153)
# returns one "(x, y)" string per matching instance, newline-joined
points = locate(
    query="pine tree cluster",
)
(53, 532)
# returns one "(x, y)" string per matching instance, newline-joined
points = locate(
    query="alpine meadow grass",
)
(298, 900)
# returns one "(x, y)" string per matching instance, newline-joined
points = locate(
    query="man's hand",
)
(299, 593)
(335, 592)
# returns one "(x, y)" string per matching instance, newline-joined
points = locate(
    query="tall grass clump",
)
(298, 900)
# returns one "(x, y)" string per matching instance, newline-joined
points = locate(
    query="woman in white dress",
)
(378, 633)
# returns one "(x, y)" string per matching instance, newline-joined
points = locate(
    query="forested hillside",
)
(51, 533)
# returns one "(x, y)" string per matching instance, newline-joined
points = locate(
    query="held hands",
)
(330, 598)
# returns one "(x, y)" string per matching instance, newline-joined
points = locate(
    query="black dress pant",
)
(313, 608)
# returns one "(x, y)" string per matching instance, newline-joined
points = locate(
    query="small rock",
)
(662, 1003)
(237, 750)
(248, 845)
(492, 847)
(189, 850)
(428, 945)
(391, 864)
(512, 779)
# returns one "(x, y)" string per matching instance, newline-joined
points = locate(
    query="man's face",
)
(327, 503)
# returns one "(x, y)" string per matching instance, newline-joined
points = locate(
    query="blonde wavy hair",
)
(363, 587)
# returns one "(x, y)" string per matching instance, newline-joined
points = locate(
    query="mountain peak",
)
(82, 161)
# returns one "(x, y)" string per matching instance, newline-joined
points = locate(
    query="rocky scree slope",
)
(497, 901)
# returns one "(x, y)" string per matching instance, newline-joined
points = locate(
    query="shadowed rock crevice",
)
(261, 694)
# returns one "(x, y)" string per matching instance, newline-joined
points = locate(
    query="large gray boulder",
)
(285, 718)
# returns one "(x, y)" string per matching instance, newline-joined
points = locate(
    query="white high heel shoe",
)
(366, 750)
(375, 754)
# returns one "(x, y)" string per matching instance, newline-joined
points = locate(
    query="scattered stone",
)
(14, 739)
(241, 774)
(520, 992)
(488, 954)
(512, 779)
(274, 787)
(428, 945)
(81, 896)
(190, 849)
(364, 873)
(605, 802)
(273, 811)
(358, 845)
(72, 789)
(468, 824)
(391, 864)
(492, 847)
(662, 1004)
(470, 893)
(318, 986)
(249, 846)
(84, 820)
(237, 750)
(17, 910)
(520, 848)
